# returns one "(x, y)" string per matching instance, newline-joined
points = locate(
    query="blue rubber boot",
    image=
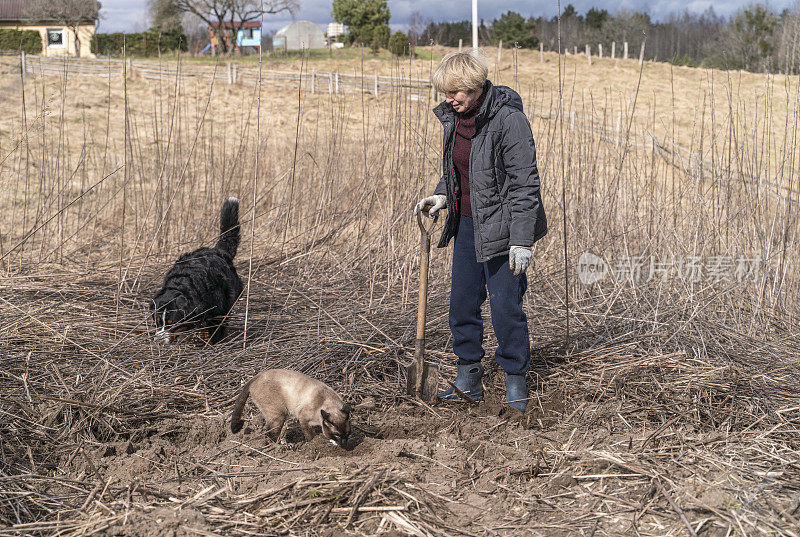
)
(468, 380)
(516, 392)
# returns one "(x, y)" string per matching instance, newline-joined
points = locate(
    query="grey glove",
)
(519, 259)
(437, 201)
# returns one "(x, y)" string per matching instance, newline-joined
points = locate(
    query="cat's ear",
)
(325, 416)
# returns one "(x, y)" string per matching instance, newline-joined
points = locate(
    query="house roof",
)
(17, 10)
(226, 25)
(12, 9)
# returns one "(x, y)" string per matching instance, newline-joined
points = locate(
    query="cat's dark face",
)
(170, 314)
(336, 426)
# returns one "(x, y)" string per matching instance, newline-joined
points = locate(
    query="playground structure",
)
(248, 36)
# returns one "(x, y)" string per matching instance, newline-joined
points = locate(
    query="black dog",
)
(202, 286)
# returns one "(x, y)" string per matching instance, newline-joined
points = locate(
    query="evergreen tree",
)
(596, 17)
(512, 28)
(752, 31)
(398, 44)
(361, 17)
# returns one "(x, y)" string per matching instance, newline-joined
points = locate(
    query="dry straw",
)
(672, 386)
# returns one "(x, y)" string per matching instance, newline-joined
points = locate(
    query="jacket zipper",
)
(453, 164)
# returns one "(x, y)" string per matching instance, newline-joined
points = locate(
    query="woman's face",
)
(461, 100)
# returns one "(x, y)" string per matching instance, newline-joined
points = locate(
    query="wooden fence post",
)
(313, 80)
(599, 50)
(230, 73)
(460, 42)
(541, 52)
(337, 82)
(499, 50)
(589, 53)
(641, 54)
(613, 49)
(625, 50)
(330, 83)
(376, 82)
(235, 73)
(575, 51)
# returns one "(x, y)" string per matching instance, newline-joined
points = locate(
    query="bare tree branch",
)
(230, 15)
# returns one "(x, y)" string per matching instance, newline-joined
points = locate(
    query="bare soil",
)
(131, 439)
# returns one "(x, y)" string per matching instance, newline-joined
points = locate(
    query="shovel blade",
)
(430, 381)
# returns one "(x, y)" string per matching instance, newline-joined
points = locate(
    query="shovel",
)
(422, 377)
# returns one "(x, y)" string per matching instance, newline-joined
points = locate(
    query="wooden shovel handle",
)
(424, 262)
(422, 306)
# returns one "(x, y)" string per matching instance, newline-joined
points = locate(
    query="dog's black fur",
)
(202, 286)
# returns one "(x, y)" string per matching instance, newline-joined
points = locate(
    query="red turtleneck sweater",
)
(462, 145)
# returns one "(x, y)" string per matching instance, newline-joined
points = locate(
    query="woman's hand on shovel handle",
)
(431, 205)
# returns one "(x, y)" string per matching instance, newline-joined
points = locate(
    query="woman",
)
(490, 186)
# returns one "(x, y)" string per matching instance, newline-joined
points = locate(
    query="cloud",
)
(123, 16)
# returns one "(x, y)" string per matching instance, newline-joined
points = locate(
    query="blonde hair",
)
(461, 71)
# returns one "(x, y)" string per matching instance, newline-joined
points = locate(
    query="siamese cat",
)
(279, 393)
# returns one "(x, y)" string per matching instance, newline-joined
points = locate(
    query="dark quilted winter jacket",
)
(503, 177)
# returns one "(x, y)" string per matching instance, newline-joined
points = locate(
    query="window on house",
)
(55, 38)
(247, 33)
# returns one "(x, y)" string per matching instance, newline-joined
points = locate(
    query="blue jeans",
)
(467, 295)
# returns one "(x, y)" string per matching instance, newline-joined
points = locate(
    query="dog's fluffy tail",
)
(236, 416)
(229, 227)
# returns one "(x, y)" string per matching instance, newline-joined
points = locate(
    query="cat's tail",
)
(229, 227)
(236, 416)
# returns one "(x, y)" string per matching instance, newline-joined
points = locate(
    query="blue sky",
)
(131, 15)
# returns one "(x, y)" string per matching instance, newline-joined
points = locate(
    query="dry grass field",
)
(673, 408)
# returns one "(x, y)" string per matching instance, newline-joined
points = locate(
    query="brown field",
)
(673, 409)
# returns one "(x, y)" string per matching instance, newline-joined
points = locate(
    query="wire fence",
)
(230, 72)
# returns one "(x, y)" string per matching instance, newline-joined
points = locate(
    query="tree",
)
(415, 28)
(69, 13)
(629, 26)
(398, 43)
(165, 15)
(447, 33)
(381, 35)
(596, 17)
(361, 16)
(752, 31)
(234, 13)
(789, 43)
(570, 12)
(512, 28)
